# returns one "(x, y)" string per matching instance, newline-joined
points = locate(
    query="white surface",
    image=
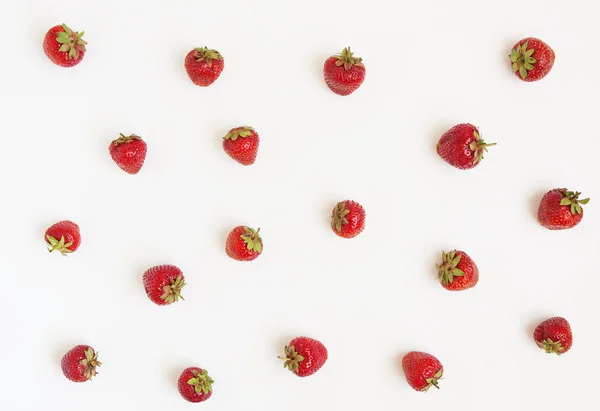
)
(430, 65)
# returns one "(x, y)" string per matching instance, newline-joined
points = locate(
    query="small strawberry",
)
(129, 152)
(195, 385)
(422, 370)
(344, 73)
(462, 146)
(163, 284)
(304, 356)
(244, 243)
(241, 144)
(204, 66)
(63, 46)
(457, 271)
(554, 335)
(348, 219)
(560, 209)
(80, 363)
(531, 59)
(63, 236)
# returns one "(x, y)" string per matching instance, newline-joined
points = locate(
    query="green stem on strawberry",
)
(522, 59)
(433, 381)
(172, 292)
(571, 198)
(448, 269)
(346, 58)
(478, 147)
(252, 239)
(550, 346)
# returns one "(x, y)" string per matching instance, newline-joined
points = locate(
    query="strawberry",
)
(457, 271)
(80, 363)
(163, 284)
(244, 243)
(129, 152)
(241, 143)
(63, 236)
(554, 335)
(344, 73)
(348, 219)
(462, 146)
(422, 370)
(560, 209)
(531, 59)
(204, 66)
(304, 356)
(195, 385)
(63, 46)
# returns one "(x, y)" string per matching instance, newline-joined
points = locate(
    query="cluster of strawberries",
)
(462, 147)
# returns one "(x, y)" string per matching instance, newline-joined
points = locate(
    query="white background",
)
(430, 65)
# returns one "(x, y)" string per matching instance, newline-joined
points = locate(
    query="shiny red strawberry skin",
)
(557, 329)
(471, 277)
(67, 229)
(342, 81)
(236, 248)
(544, 56)
(454, 146)
(554, 216)
(157, 278)
(51, 46)
(418, 366)
(188, 391)
(314, 352)
(129, 156)
(71, 363)
(356, 220)
(200, 72)
(244, 149)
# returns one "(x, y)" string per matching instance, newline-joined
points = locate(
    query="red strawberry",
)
(554, 335)
(129, 152)
(560, 209)
(457, 271)
(241, 144)
(195, 385)
(163, 284)
(344, 73)
(348, 219)
(532, 59)
(80, 363)
(244, 243)
(63, 46)
(63, 236)
(304, 356)
(462, 146)
(422, 370)
(204, 66)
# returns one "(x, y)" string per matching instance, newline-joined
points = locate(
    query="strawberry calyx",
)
(478, 147)
(447, 270)
(126, 139)
(202, 382)
(71, 42)
(243, 132)
(346, 58)
(339, 216)
(571, 199)
(252, 239)
(433, 381)
(550, 346)
(206, 54)
(172, 292)
(90, 362)
(292, 359)
(59, 245)
(522, 59)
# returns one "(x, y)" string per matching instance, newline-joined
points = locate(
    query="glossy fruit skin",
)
(544, 56)
(354, 223)
(342, 81)
(201, 72)
(470, 277)
(554, 216)
(243, 149)
(314, 356)
(129, 153)
(67, 229)
(456, 146)
(556, 329)
(51, 46)
(71, 363)
(237, 248)
(418, 367)
(157, 278)
(187, 391)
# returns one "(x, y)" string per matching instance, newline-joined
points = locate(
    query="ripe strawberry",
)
(129, 152)
(304, 356)
(344, 73)
(204, 66)
(241, 144)
(457, 271)
(348, 219)
(163, 284)
(79, 364)
(560, 209)
(462, 146)
(63, 46)
(195, 385)
(554, 335)
(63, 236)
(422, 370)
(532, 59)
(244, 244)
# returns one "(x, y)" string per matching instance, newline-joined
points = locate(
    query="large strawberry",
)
(561, 209)
(457, 271)
(163, 284)
(554, 335)
(462, 146)
(244, 243)
(64, 46)
(531, 59)
(80, 363)
(422, 370)
(304, 356)
(204, 66)
(348, 219)
(129, 152)
(63, 236)
(195, 385)
(241, 143)
(344, 72)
